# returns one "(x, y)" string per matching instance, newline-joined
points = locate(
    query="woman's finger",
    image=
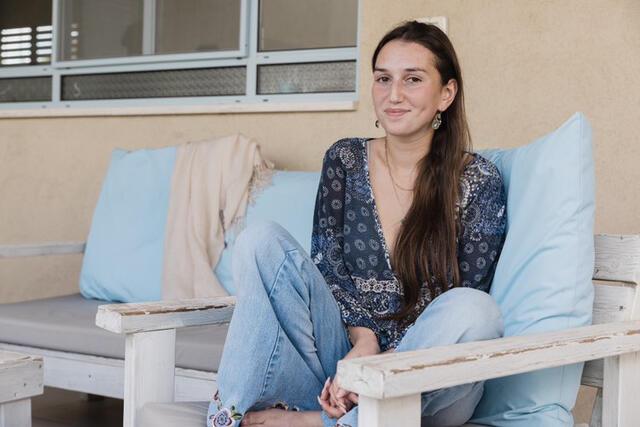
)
(337, 402)
(341, 397)
(346, 405)
(324, 394)
(353, 397)
(334, 402)
(333, 387)
(334, 390)
(341, 406)
(328, 395)
(330, 410)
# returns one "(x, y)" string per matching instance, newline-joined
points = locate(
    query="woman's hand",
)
(328, 404)
(335, 400)
(341, 398)
(344, 399)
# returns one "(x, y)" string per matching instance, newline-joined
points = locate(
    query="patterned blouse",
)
(349, 249)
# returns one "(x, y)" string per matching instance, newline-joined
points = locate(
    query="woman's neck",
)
(405, 153)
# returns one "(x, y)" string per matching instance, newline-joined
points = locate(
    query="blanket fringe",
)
(260, 179)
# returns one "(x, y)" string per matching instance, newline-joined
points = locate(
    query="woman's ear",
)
(448, 94)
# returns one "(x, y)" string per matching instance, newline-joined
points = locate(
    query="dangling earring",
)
(437, 121)
(377, 124)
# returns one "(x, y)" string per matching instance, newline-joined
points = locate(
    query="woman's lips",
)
(395, 113)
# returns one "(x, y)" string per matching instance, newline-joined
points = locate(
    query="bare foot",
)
(281, 418)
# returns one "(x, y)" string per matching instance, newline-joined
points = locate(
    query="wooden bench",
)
(389, 385)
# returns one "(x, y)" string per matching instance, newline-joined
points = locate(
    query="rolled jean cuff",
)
(327, 421)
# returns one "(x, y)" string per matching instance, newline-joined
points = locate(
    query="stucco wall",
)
(527, 67)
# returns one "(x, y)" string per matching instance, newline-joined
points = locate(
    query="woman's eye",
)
(414, 80)
(382, 79)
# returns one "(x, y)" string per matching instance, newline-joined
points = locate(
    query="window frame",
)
(246, 55)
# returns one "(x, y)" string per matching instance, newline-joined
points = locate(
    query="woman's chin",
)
(403, 132)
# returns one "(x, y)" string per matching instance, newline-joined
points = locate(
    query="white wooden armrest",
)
(62, 248)
(156, 316)
(408, 373)
(150, 329)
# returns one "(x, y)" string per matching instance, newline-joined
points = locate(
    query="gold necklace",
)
(393, 182)
(386, 158)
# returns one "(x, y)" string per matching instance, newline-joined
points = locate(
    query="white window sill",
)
(274, 107)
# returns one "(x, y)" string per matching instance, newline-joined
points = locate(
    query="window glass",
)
(155, 84)
(307, 24)
(197, 25)
(94, 29)
(25, 32)
(25, 89)
(307, 78)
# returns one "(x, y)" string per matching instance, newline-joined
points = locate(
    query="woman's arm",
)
(327, 241)
(327, 254)
(364, 341)
(483, 222)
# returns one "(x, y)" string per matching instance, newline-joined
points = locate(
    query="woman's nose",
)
(396, 94)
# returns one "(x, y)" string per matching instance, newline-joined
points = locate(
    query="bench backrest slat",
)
(616, 276)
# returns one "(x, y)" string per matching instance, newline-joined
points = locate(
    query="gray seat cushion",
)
(68, 324)
(181, 414)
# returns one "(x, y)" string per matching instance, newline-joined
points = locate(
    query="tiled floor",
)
(61, 408)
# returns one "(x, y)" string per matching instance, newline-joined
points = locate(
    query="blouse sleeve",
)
(482, 234)
(327, 243)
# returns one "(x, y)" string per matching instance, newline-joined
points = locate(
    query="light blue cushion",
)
(543, 277)
(123, 258)
(289, 201)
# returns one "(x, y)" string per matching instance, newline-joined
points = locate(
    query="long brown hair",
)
(425, 250)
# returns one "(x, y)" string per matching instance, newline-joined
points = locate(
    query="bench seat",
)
(67, 324)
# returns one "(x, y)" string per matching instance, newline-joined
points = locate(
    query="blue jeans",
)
(286, 335)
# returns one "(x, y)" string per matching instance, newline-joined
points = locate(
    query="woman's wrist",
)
(361, 334)
(364, 348)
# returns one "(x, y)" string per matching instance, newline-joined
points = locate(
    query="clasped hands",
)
(335, 400)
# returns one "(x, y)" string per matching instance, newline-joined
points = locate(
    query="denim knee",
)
(475, 312)
(258, 238)
(261, 241)
(466, 313)
(260, 248)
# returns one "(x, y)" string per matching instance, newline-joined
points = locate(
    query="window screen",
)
(155, 84)
(307, 78)
(25, 89)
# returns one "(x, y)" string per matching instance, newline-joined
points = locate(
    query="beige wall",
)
(528, 66)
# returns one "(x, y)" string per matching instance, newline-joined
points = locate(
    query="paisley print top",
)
(349, 249)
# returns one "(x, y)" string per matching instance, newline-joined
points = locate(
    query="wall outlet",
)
(440, 21)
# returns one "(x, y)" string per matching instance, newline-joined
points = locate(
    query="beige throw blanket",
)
(210, 188)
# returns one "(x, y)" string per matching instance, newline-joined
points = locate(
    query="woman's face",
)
(407, 90)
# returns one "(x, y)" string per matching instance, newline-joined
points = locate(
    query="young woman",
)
(406, 236)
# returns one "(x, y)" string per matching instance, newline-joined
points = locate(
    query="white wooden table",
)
(20, 379)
